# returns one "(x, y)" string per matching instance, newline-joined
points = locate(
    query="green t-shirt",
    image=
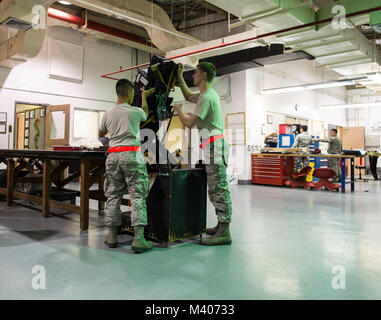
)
(208, 109)
(122, 122)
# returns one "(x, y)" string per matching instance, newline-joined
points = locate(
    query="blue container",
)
(286, 140)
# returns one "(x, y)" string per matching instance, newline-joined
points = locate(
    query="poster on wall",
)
(3, 117)
(3, 128)
(37, 133)
(236, 128)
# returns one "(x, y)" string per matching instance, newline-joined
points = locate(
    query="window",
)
(86, 123)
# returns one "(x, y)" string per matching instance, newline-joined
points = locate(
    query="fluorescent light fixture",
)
(66, 3)
(375, 77)
(352, 105)
(311, 86)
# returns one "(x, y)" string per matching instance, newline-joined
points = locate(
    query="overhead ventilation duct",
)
(336, 44)
(145, 14)
(247, 59)
(375, 21)
(98, 30)
(253, 58)
(20, 36)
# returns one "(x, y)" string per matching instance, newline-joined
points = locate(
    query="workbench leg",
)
(342, 163)
(353, 174)
(10, 181)
(101, 204)
(46, 186)
(84, 217)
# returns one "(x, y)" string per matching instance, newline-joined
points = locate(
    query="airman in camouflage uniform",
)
(335, 147)
(125, 171)
(218, 187)
(125, 165)
(302, 140)
(208, 118)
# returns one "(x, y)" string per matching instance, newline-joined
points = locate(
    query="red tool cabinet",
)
(272, 170)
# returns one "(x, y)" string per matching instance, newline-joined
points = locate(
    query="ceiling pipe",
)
(67, 17)
(265, 35)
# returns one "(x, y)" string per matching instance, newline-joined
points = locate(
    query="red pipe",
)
(222, 45)
(67, 17)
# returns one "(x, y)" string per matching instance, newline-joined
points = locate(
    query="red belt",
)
(210, 140)
(122, 149)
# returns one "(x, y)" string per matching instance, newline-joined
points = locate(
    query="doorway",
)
(30, 126)
(41, 126)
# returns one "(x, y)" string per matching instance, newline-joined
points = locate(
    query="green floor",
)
(285, 244)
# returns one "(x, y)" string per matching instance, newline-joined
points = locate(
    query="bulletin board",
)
(318, 128)
(236, 128)
(3, 122)
(353, 138)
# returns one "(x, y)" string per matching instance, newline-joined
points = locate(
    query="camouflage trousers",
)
(334, 164)
(216, 156)
(124, 172)
(299, 160)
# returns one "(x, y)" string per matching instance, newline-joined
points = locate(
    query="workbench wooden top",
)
(51, 154)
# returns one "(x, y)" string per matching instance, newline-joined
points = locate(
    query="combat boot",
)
(110, 238)
(212, 231)
(140, 244)
(221, 237)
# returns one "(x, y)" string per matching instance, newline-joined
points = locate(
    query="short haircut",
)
(209, 69)
(334, 130)
(122, 86)
(305, 128)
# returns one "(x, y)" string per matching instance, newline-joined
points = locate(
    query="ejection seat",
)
(324, 174)
(299, 178)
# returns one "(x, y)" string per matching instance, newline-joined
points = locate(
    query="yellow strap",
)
(148, 121)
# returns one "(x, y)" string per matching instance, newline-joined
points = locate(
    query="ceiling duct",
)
(336, 45)
(249, 58)
(20, 38)
(145, 14)
(253, 58)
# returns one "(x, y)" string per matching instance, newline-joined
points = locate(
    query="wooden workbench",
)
(52, 164)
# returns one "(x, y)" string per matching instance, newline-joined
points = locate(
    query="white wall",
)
(30, 83)
(246, 93)
(370, 118)
(309, 102)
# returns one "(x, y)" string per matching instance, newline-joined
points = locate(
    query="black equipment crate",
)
(176, 206)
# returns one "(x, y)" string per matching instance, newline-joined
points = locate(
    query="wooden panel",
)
(49, 143)
(10, 181)
(84, 215)
(46, 186)
(20, 130)
(353, 138)
(52, 203)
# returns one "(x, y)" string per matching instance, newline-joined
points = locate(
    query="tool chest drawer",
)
(271, 170)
